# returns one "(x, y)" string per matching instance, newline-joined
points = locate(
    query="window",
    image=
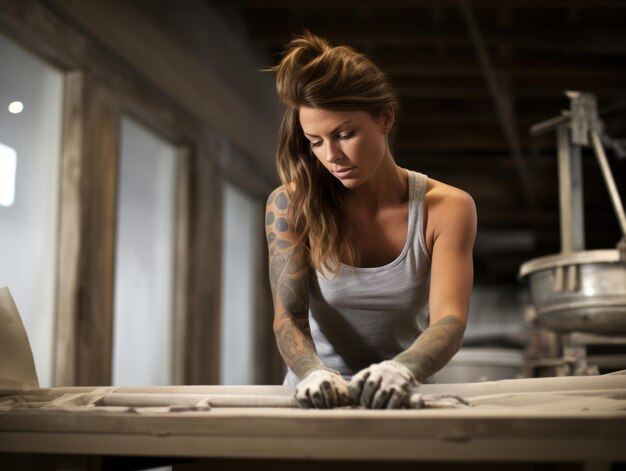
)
(31, 99)
(145, 247)
(243, 225)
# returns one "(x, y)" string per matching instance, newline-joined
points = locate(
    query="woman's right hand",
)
(322, 388)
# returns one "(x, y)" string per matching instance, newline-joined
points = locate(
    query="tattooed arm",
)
(289, 271)
(320, 387)
(450, 286)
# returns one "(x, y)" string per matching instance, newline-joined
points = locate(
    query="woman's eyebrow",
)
(332, 132)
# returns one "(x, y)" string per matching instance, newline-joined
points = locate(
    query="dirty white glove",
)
(385, 385)
(322, 388)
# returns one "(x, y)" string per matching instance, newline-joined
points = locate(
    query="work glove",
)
(385, 385)
(322, 388)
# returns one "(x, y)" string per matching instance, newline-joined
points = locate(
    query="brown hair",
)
(313, 73)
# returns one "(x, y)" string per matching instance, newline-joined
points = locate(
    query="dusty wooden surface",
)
(347, 434)
(471, 434)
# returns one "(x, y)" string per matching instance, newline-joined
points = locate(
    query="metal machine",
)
(578, 294)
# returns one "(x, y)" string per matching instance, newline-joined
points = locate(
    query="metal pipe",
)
(565, 190)
(610, 182)
(550, 124)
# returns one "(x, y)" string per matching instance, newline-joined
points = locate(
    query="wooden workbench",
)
(552, 420)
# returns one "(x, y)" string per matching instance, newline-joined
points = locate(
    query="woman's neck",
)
(388, 185)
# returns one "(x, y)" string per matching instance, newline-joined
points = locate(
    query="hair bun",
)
(302, 53)
(306, 48)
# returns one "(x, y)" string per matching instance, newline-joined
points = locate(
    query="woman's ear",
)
(388, 117)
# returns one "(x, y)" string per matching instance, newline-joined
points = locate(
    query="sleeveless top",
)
(366, 315)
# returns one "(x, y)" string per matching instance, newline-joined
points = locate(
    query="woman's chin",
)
(350, 182)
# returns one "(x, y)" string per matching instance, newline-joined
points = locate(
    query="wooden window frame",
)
(98, 92)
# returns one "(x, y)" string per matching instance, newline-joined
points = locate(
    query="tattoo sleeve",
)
(434, 347)
(288, 273)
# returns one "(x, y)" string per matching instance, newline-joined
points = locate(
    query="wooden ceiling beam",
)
(452, 143)
(403, 66)
(403, 4)
(562, 39)
(460, 68)
(521, 93)
(464, 163)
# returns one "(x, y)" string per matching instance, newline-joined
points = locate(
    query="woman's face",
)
(350, 144)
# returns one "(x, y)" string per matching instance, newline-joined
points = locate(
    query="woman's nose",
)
(333, 151)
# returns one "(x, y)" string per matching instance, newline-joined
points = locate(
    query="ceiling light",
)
(16, 107)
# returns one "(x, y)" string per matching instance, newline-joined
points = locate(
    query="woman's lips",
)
(343, 172)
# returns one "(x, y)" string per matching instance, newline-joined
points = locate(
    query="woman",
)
(370, 264)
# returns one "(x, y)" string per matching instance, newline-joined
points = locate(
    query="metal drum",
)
(583, 291)
(580, 290)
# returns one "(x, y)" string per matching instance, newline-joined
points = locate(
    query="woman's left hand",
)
(385, 385)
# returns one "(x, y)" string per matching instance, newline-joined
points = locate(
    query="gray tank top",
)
(366, 315)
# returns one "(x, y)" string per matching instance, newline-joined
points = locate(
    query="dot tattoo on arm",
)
(269, 218)
(281, 201)
(282, 244)
(282, 225)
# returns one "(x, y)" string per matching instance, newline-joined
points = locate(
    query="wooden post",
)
(205, 268)
(70, 224)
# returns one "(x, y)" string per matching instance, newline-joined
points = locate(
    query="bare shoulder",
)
(278, 200)
(449, 207)
(440, 195)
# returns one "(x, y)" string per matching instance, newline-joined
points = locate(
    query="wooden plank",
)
(512, 430)
(342, 447)
(70, 227)
(535, 89)
(202, 359)
(403, 4)
(461, 426)
(131, 36)
(181, 269)
(95, 319)
(605, 41)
